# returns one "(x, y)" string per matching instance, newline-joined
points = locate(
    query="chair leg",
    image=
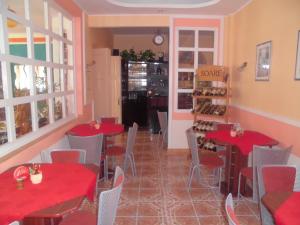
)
(106, 168)
(134, 167)
(220, 178)
(239, 187)
(191, 177)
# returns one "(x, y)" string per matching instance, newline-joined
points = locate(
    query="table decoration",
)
(21, 173)
(36, 174)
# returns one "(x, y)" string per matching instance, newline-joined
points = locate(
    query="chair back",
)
(108, 119)
(163, 121)
(276, 178)
(273, 178)
(193, 146)
(265, 155)
(231, 217)
(109, 200)
(92, 145)
(132, 131)
(68, 156)
(14, 223)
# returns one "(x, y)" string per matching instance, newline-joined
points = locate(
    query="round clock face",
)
(158, 39)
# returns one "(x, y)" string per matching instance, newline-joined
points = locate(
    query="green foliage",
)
(147, 56)
(131, 55)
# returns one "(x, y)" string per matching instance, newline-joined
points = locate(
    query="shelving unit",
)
(211, 93)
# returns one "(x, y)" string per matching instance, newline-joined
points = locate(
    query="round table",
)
(61, 183)
(107, 129)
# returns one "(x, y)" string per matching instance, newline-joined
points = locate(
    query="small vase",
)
(36, 178)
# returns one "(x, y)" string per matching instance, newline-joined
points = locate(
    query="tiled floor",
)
(159, 195)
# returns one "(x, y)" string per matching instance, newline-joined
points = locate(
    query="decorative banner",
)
(21, 173)
(212, 73)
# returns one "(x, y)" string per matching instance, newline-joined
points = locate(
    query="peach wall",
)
(273, 106)
(286, 134)
(129, 21)
(258, 22)
(140, 42)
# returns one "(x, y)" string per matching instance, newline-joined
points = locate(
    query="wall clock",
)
(158, 39)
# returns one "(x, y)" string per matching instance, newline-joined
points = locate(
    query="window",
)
(194, 47)
(36, 71)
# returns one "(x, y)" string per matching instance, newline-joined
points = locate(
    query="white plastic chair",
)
(277, 178)
(129, 156)
(231, 217)
(14, 223)
(208, 159)
(263, 155)
(107, 210)
(64, 155)
(92, 145)
(119, 150)
(163, 123)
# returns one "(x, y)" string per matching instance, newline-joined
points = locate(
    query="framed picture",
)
(297, 72)
(263, 60)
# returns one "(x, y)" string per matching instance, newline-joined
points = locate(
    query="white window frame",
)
(5, 58)
(196, 50)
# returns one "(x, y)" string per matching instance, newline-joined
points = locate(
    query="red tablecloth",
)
(107, 129)
(289, 212)
(245, 142)
(61, 182)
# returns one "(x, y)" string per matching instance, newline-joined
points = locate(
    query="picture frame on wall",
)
(297, 70)
(263, 61)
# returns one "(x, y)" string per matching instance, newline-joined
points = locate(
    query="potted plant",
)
(146, 56)
(129, 55)
(36, 174)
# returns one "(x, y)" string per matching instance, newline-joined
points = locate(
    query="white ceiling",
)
(183, 7)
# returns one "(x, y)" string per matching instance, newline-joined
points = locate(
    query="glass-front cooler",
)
(137, 76)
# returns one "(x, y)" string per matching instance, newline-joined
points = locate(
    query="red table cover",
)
(61, 182)
(245, 142)
(288, 213)
(105, 128)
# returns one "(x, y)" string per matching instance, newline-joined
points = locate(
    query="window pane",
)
(21, 79)
(56, 80)
(22, 119)
(1, 84)
(16, 6)
(17, 40)
(37, 15)
(39, 46)
(185, 101)
(43, 112)
(69, 105)
(206, 39)
(68, 54)
(67, 28)
(185, 80)
(3, 129)
(58, 108)
(186, 59)
(205, 58)
(186, 38)
(55, 21)
(55, 51)
(69, 82)
(41, 82)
